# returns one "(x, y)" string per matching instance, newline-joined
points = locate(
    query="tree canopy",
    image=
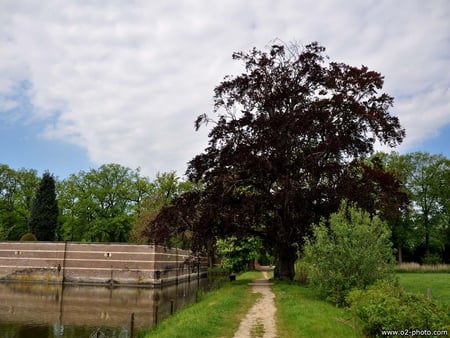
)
(423, 230)
(287, 145)
(101, 204)
(17, 190)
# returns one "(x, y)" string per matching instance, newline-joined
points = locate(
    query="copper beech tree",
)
(289, 140)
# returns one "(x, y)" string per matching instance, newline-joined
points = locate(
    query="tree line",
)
(107, 204)
(114, 203)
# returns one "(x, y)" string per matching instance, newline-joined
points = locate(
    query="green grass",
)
(301, 314)
(217, 314)
(249, 276)
(438, 283)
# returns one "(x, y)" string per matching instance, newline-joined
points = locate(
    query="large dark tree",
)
(44, 211)
(288, 143)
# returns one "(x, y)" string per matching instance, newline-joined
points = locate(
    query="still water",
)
(50, 311)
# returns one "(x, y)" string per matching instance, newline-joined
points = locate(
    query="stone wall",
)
(70, 262)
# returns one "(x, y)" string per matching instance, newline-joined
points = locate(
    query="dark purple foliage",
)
(287, 145)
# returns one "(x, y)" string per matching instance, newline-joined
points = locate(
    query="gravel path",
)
(260, 320)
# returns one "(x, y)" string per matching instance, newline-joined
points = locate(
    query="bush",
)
(28, 237)
(385, 306)
(264, 258)
(353, 252)
(236, 254)
(432, 259)
(301, 271)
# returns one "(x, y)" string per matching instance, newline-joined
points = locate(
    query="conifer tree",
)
(44, 212)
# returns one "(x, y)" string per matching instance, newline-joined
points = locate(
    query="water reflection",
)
(44, 311)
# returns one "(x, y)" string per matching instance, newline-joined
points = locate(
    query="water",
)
(70, 311)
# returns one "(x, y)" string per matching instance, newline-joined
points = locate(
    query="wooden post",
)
(156, 315)
(428, 293)
(132, 325)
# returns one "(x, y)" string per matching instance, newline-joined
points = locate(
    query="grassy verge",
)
(301, 314)
(217, 314)
(438, 283)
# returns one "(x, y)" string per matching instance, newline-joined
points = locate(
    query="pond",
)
(74, 311)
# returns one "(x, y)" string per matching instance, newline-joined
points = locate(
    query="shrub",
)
(264, 258)
(432, 259)
(301, 271)
(353, 252)
(385, 306)
(237, 253)
(28, 237)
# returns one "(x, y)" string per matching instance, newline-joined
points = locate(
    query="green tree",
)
(398, 215)
(101, 204)
(44, 212)
(17, 190)
(8, 188)
(162, 191)
(430, 195)
(287, 144)
(237, 253)
(353, 251)
(424, 229)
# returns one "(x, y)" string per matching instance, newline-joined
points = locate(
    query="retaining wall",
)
(92, 263)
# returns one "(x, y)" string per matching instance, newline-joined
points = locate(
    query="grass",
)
(301, 314)
(217, 314)
(438, 283)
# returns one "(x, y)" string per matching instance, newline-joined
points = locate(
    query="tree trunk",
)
(399, 254)
(285, 263)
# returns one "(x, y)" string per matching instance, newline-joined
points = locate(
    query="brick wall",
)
(69, 262)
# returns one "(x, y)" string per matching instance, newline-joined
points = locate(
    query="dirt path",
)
(260, 320)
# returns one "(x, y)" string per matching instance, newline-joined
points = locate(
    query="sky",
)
(86, 83)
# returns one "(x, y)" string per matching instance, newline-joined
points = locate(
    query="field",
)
(438, 283)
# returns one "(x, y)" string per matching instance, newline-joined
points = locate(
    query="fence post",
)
(132, 325)
(156, 315)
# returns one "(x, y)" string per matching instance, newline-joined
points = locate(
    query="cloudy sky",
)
(83, 83)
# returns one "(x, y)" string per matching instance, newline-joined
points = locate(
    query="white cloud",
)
(126, 80)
